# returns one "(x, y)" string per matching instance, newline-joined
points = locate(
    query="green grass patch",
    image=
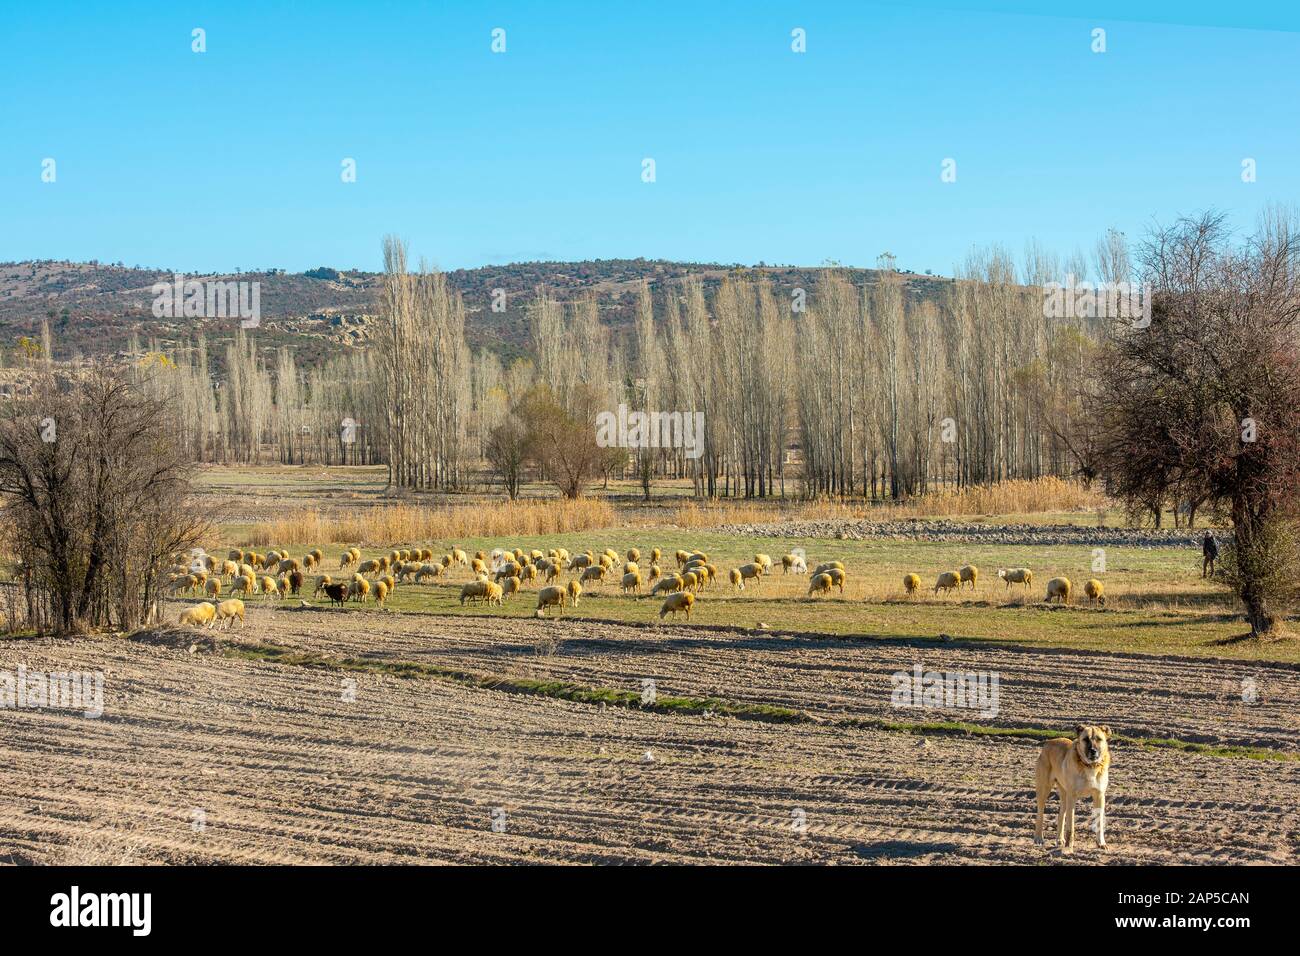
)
(581, 694)
(560, 690)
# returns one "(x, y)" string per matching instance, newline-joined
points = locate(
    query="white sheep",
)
(1058, 588)
(1016, 576)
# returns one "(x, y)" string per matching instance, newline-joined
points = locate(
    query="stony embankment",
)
(970, 531)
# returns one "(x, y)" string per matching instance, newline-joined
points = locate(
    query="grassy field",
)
(1156, 600)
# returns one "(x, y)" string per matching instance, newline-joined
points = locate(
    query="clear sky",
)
(232, 158)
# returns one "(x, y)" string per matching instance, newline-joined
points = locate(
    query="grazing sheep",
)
(690, 581)
(682, 557)
(272, 557)
(213, 587)
(510, 569)
(677, 602)
(736, 582)
(390, 582)
(368, 567)
(562, 554)
(575, 592)
(236, 555)
(337, 593)
(763, 561)
(359, 591)
(550, 597)
(579, 561)
(229, 610)
(655, 555)
(820, 584)
(632, 582)
(1058, 588)
(229, 569)
(345, 559)
(245, 584)
(969, 573)
(792, 563)
(446, 561)
(1095, 591)
(530, 573)
(1016, 576)
(381, 592)
(322, 582)
(629, 567)
(473, 591)
(837, 577)
(459, 556)
(248, 571)
(495, 593)
(655, 572)
(666, 585)
(431, 570)
(749, 572)
(911, 584)
(948, 581)
(317, 555)
(633, 555)
(594, 573)
(269, 586)
(198, 615)
(510, 585)
(827, 566)
(478, 566)
(426, 554)
(552, 571)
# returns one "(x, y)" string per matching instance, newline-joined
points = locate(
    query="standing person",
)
(1209, 554)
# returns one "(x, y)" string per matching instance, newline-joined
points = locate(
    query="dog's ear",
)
(1105, 730)
(1079, 729)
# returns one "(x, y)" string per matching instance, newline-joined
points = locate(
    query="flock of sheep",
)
(501, 573)
(1058, 588)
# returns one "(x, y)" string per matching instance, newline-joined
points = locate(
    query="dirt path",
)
(285, 768)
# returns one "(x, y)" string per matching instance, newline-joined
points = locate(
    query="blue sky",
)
(232, 158)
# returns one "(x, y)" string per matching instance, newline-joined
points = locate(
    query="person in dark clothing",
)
(1209, 554)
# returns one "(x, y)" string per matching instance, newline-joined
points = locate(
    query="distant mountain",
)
(93, 308)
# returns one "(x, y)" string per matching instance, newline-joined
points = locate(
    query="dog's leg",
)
(1099, 806)
(1067, 824)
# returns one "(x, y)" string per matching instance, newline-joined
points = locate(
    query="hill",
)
(93, 308)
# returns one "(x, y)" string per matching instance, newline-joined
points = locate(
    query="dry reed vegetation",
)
(406, 523)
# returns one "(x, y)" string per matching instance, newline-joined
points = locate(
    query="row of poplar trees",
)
(844, 389)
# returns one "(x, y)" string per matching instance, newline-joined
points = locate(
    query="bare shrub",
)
(97, 494)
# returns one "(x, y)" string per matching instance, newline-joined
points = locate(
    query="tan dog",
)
(1077, 768)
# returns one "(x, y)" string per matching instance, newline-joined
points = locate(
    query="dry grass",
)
(392, 524)
(1021, 496)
